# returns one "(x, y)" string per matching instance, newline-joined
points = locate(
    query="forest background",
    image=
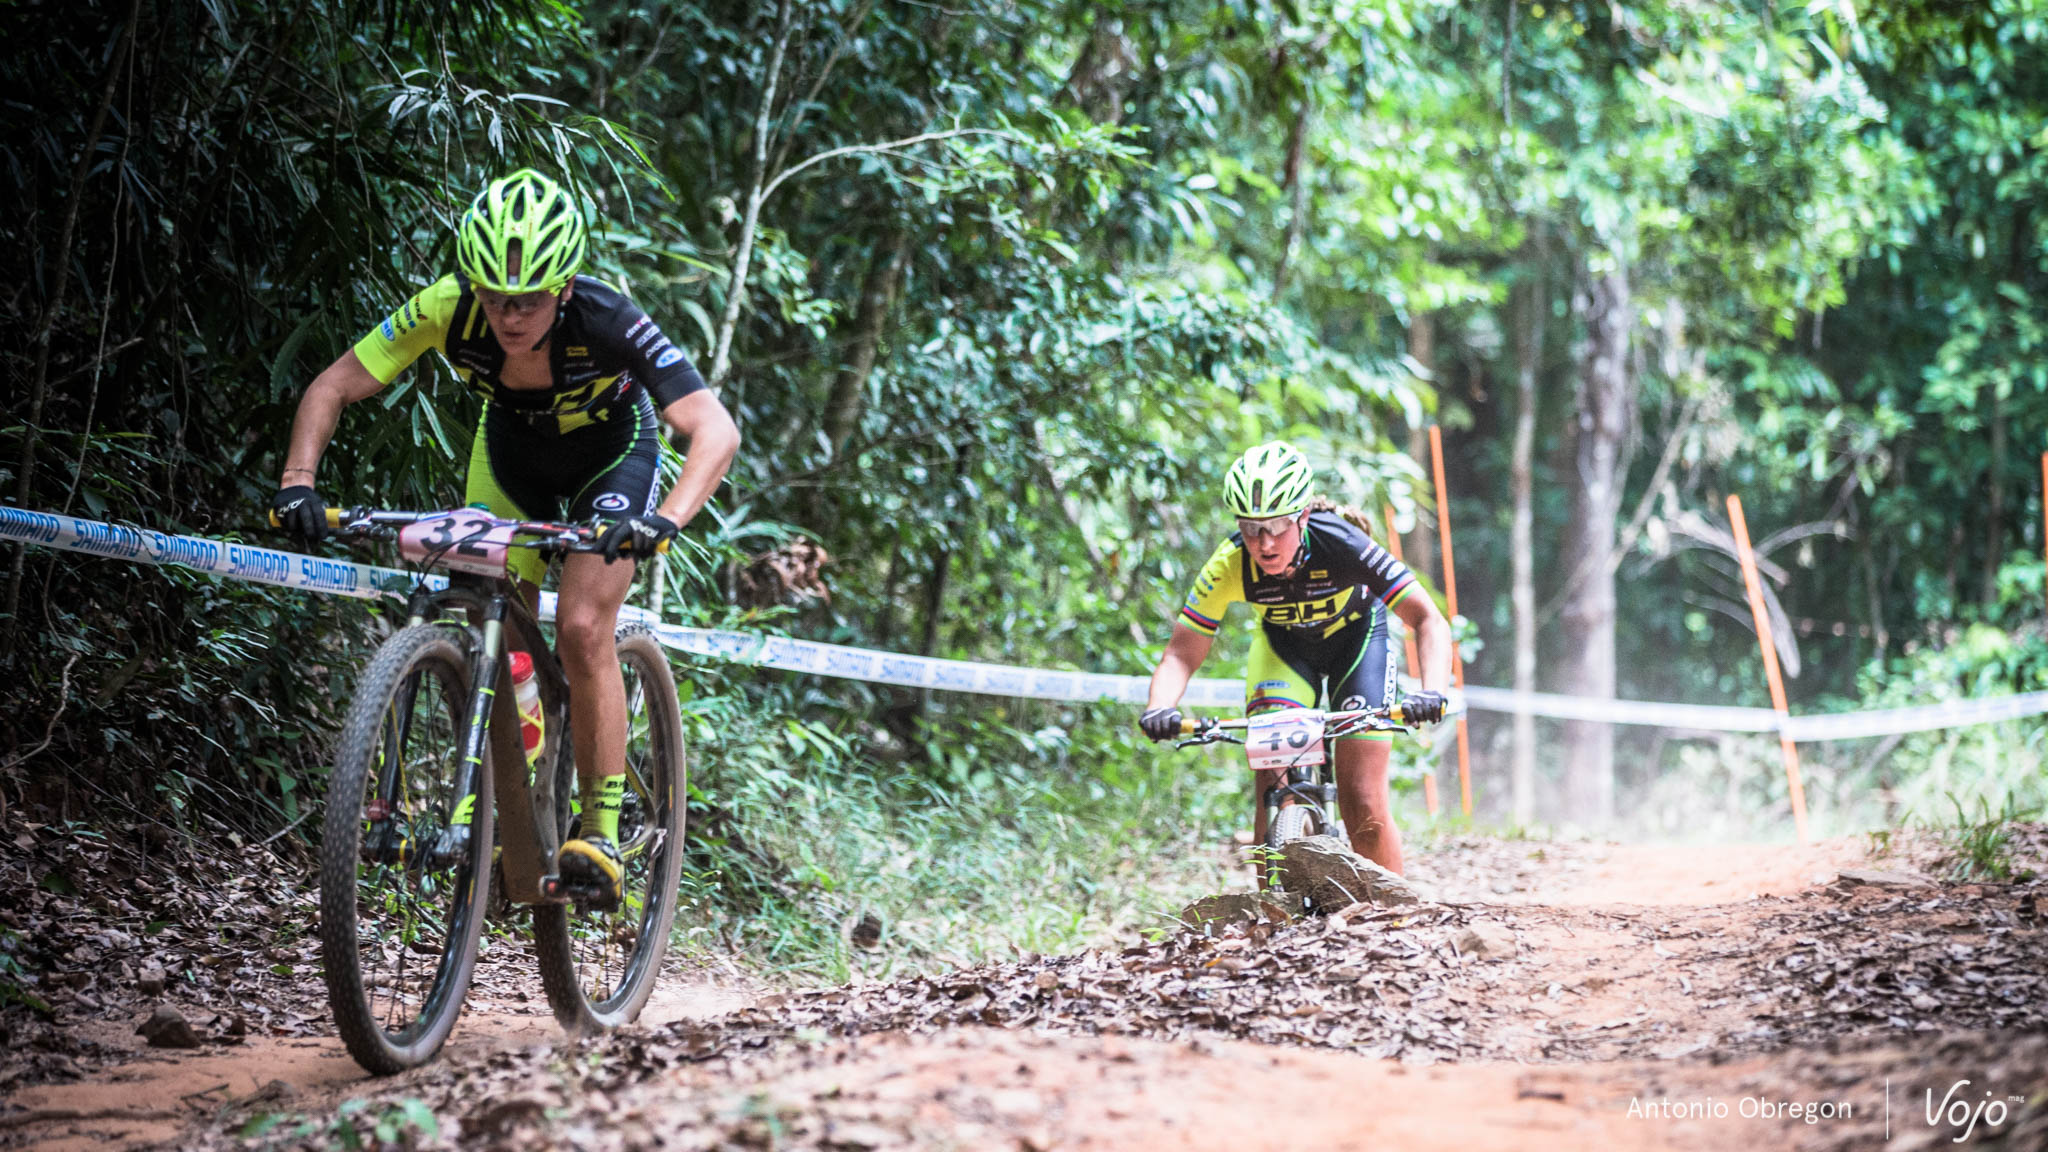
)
(996, 291)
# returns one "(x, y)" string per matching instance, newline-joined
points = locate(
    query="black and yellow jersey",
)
(602, 348)
(1341, 573)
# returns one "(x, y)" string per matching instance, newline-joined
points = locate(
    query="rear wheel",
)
(599, 964)
(403, 859)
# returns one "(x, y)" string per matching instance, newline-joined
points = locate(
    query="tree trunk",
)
(877, 293)
(1534, 310)
(885, 616)
(1604, 401)
(1422, 553)
(940, 558)
(1994, 507)
(757, 191)
(1296, 185)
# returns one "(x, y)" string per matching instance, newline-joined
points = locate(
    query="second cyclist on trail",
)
(1321, 587)
(572, 374)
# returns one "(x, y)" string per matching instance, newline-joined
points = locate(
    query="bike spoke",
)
(404, 898)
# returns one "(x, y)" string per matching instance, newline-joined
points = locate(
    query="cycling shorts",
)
(526, 469)
(1352, 667)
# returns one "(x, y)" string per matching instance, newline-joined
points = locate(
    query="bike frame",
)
(493, 611)
(527, 830)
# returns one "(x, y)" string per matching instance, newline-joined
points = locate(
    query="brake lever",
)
(1209, 736)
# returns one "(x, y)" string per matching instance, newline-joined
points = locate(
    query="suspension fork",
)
(453, 843)
(387, 841)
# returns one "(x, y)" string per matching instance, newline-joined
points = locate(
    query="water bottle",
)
(526, 694)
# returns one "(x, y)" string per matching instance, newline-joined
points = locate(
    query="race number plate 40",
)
(466, 541)
(1288, 739)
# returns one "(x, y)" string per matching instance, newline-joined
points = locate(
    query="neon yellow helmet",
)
(1269, 480)
(532, 211)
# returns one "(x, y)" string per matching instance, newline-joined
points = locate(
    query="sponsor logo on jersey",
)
(389, 332)
(1300, 615)
(668, 357)
(611, 502)
(1319, 574)
(575, 350)
(642, 322)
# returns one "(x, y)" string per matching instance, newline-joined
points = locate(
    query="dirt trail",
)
(1656, 997)
(157, 1094)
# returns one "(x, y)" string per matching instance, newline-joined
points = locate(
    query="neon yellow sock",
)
(601, 806)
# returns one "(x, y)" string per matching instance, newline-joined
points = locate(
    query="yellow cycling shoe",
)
(590, 868)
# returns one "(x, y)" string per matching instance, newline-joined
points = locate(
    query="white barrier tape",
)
(1714, 717)
(1928, 718)
(219, 557)
(820, 659)
(367, 581)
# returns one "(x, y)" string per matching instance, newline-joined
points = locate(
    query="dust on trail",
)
(1660, 997)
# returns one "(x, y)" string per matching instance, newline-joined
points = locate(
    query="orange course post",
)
(1755, 587)
(1414, 661)
(1443, 532)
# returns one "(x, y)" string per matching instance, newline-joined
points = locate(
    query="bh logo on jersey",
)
(611, 502)
(1300, 614)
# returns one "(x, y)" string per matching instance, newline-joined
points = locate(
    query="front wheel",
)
(403, 858)
(599, 965)
(1294, 822)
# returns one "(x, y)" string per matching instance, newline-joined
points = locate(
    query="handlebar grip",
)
(335, 518)
(1189, 725)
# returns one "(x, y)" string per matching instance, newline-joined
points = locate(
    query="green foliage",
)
(1022, 281)
(1980, 843)
(1040, 828)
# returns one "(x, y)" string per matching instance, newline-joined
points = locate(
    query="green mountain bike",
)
(431, 775)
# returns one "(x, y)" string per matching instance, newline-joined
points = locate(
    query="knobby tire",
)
(421, 657)
(576, 945)
(1294, 822)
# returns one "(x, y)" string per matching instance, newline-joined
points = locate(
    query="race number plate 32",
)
(462, 540)
(1292, 738)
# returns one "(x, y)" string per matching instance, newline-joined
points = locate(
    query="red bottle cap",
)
(522, 665)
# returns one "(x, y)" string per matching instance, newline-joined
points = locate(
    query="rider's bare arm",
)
(1432, 639)
(1185, 651)
(342, 383)
(714, 440)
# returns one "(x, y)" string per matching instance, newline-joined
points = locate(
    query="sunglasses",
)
(520, 305)
(1268, 526)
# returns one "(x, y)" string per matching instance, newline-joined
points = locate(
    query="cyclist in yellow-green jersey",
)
(575, 380)
(1322, 588)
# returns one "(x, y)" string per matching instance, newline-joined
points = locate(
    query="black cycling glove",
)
(1424, 707)
(1160, 723)
(636, 536)
(300, 512)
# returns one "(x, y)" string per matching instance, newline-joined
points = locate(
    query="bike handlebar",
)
(555, 537)
(1203, 725)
